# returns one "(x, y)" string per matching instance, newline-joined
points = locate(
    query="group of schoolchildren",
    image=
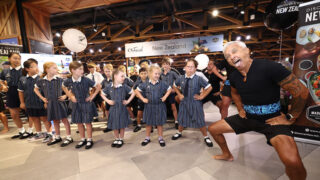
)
(43, 97)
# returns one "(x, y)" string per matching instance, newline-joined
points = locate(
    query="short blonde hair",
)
(154, 67)
(108, 66)
(122, 68)
(92, 65)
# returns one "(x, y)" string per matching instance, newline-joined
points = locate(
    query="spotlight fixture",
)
(287, 59)
(71, 53)
(58, 34)
(103, 34)
(215, 13)
(100, 50)
(119, 49)
(242, 12)
(252, 16)
(91, 51)
(248, 37)
(238, 38)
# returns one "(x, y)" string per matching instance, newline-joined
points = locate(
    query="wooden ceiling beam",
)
(120, 32)
(165, 34)
(188, 22)
(230, 19)
(96, 33)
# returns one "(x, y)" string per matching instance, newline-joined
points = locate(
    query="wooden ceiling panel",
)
(60, 6)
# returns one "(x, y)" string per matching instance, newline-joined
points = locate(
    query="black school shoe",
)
(25, 135)
(66, 142)
(107, 130)
(145, 142)
(176, 136)
(162, 143)
(54, 141)
(137, 128)
(17, 136)
(89, 145)
(115, 143)
(120, 143)
(208, 142)
(81, 143)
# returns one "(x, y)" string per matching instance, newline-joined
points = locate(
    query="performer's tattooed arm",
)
(237, 100)
(299, 94)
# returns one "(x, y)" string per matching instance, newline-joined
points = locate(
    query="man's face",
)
(210, 65)
(237, 56)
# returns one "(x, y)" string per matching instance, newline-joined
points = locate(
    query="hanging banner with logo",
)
(306, 67)
(175, 46)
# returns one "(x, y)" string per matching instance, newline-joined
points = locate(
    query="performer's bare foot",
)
(4, 131)
(225, 157)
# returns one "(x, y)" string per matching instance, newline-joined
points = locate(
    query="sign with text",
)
(175, 46)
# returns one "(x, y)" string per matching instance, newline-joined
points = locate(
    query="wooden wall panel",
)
(37, 26)
(9, 24)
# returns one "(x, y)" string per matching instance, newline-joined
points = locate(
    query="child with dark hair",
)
(143, 77)
(30, 101)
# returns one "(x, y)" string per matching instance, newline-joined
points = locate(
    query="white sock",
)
(89, 139)
(22, 130)
(83, 139)
(139, 125)
(30, 130)
(179, 132)
(69, 137)
(206, 137)
(57, 136)
(175, 121)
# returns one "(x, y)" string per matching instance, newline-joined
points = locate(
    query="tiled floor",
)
(186, 158)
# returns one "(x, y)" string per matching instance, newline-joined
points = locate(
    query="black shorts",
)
(214, 99)
(226, 91)
(241, 125)
(2, 107)
(140, 105)
(170, 99)
(107, 106)
(13, 97)
(98, 100)
(36, 112)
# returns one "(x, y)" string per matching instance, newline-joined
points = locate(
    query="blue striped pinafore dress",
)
(52, 90)
(82, 111)
(155, 111)
(118, 114)
(191, 112)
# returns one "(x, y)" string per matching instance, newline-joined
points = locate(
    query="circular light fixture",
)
(215, 13)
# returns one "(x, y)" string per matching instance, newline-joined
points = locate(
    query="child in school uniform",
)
(169, 77)
(191, 112)
(97, 77)
(9, 82)
(143, 77)
(77, 89)
(107, 69)
(115, 95)
(155, 112)
(30, 101)
(51, 86)
(129, 83)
